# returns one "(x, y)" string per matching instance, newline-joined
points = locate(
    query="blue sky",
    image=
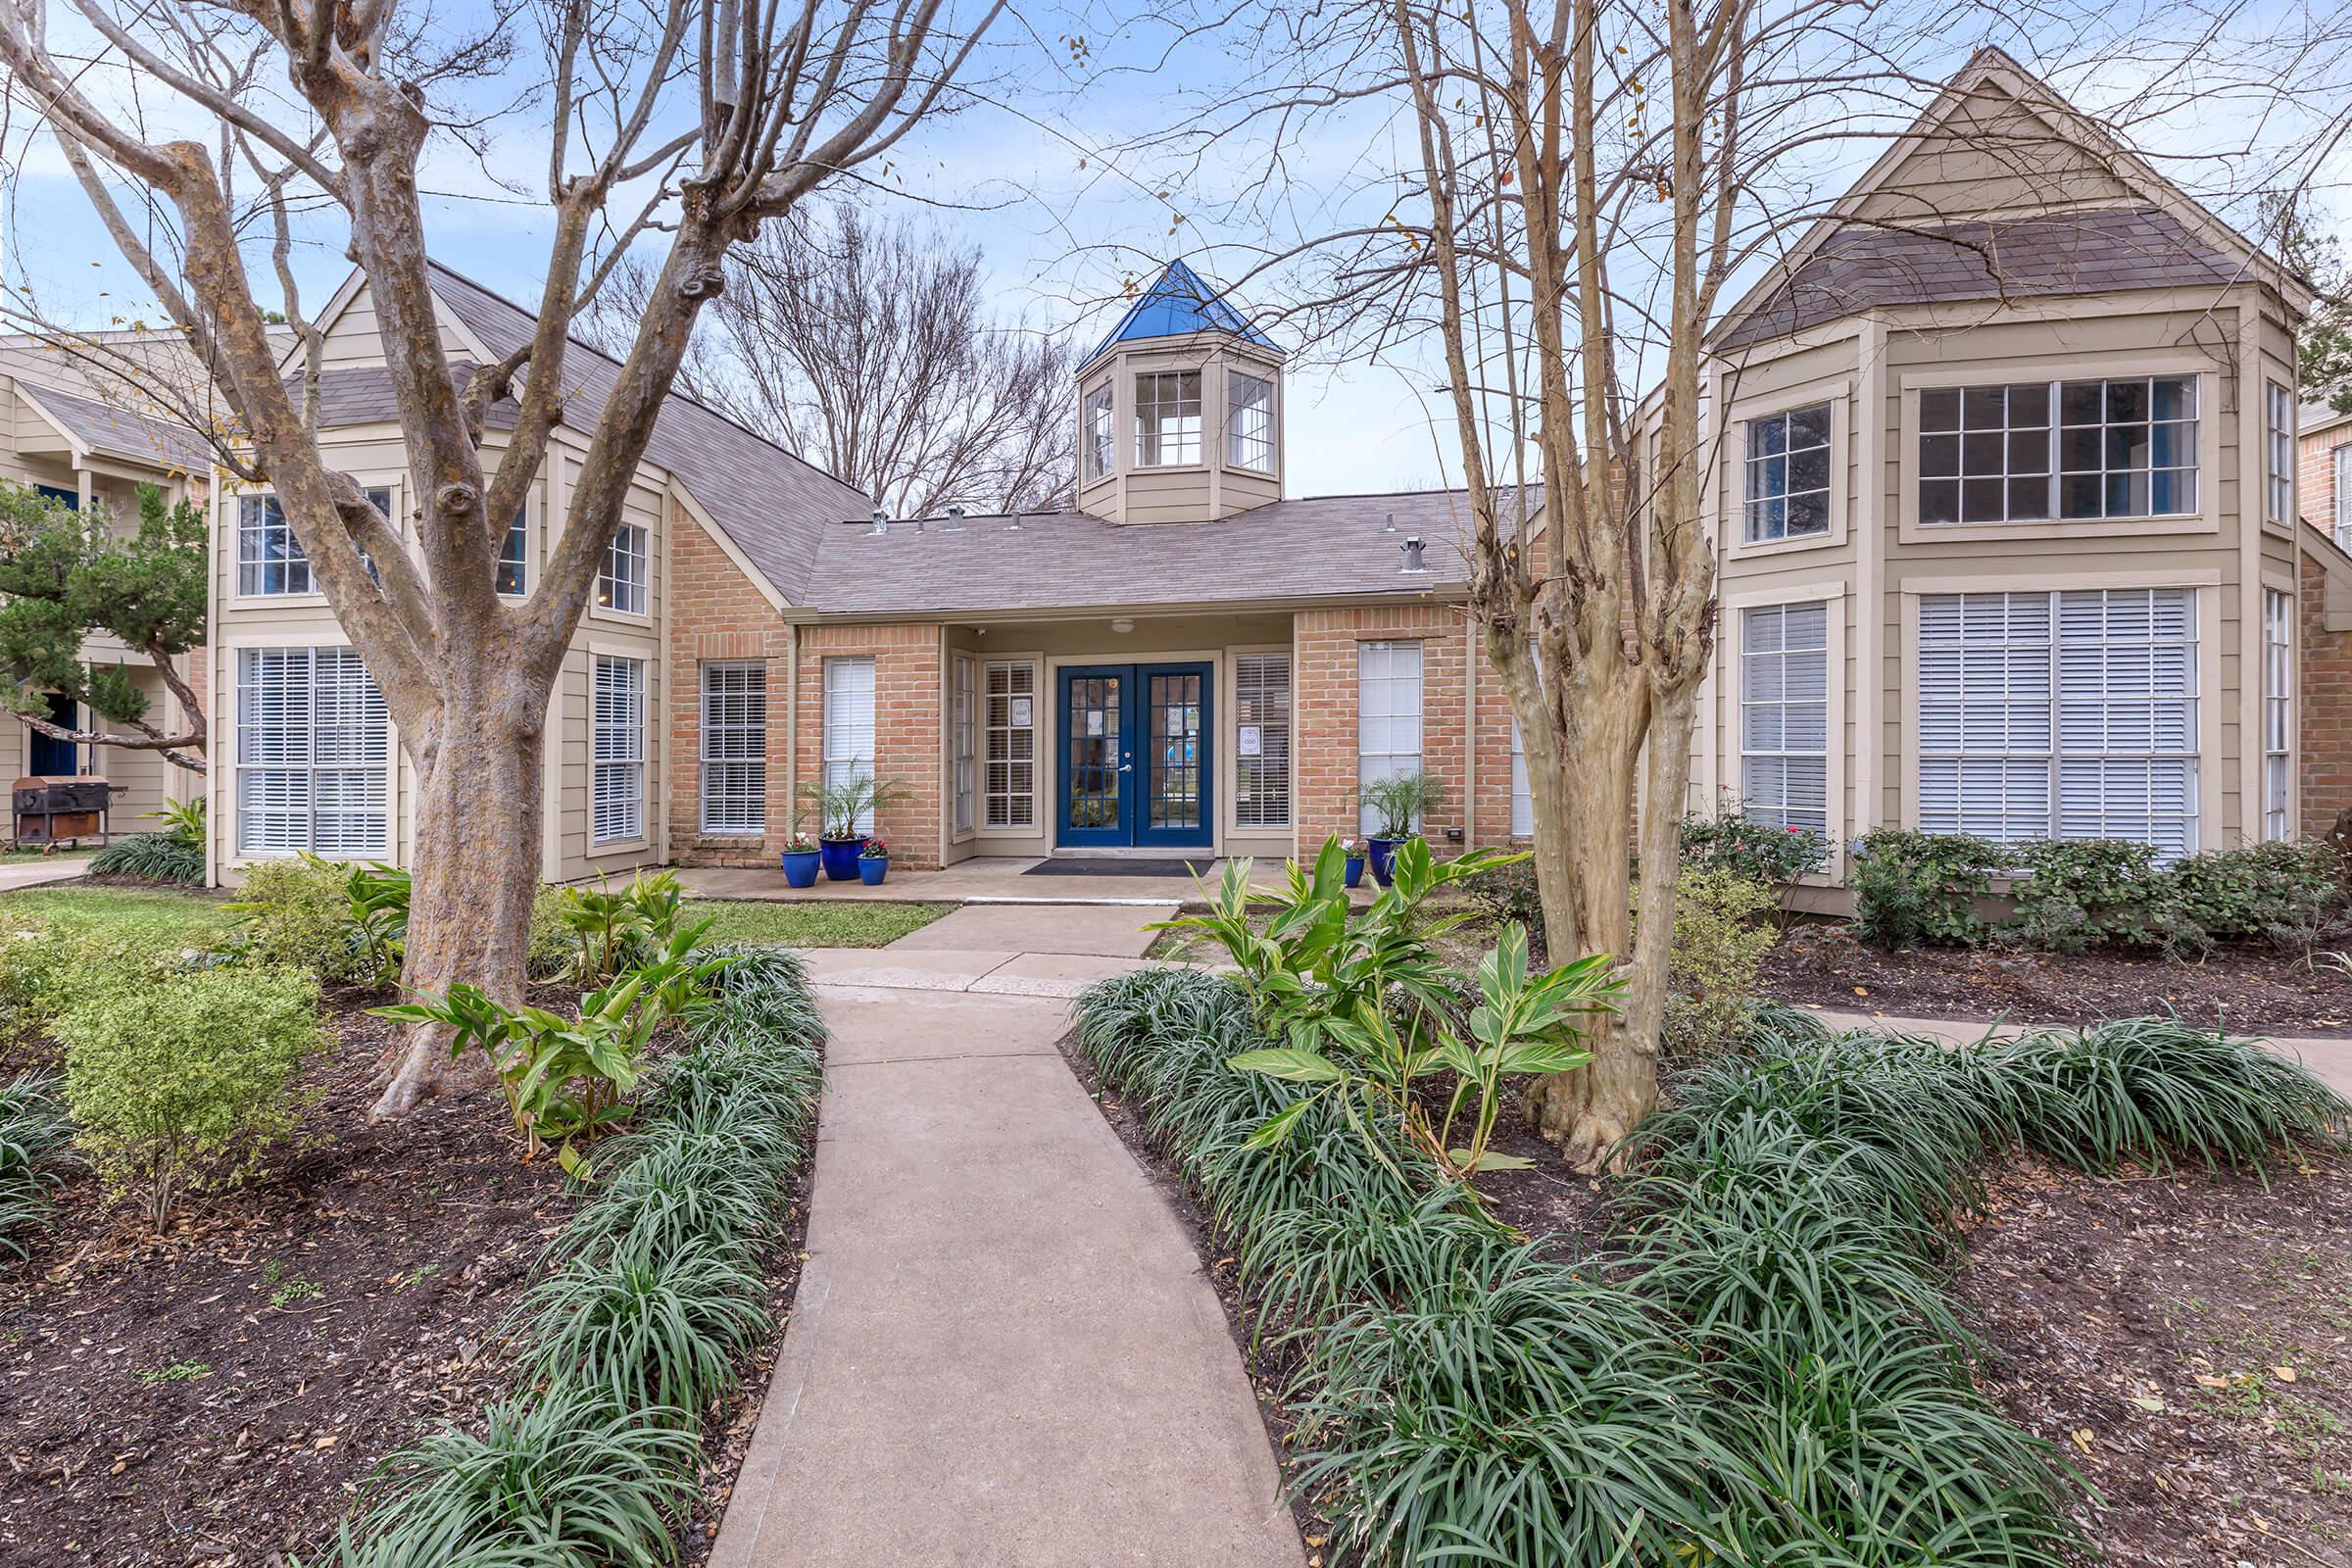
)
(1031, 177)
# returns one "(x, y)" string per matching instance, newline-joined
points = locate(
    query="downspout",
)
(1469, 733)
(792, 718)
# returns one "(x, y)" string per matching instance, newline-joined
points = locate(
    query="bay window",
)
(1788, 479)
(1096, 434)
(2034, 451)
(1167, 418)
(1249, 422)
(2277, 714)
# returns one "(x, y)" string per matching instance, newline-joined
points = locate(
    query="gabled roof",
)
(1314, 547)
(1179, 305)
(95, 426)
(2050, 251)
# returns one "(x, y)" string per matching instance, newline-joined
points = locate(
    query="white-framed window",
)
(514, 556)
(270, 558)
(2069, 714)
(616, 807)
(1787, 485)
(620, 583)
(1249, 422)
(2278, 453)
(1387, 714)
(1784, 715)
(314, 754)
(2340, 477)
(849, 720)
(1261, 761)
(2277, 714)
(1167, 418)
(1097, 432)
(2031, 450)
(734, 751)
(963, 725)
(1011, 725)
(1522, 793)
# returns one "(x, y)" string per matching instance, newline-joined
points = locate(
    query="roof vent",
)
(957, 508)
(1413, 555)
(1016, 524)
(881, 520)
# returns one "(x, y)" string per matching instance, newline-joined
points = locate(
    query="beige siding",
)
(1994, 155)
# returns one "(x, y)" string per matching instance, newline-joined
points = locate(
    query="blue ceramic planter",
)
(841, 858)
(1356, 870)
(1384, 855)
(799, 866)
(872, 870)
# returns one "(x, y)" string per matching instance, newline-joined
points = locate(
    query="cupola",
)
(1179, 410)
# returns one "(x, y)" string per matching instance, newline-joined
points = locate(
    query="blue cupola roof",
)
(1176, 306)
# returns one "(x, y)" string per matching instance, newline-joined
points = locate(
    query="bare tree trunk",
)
(473, 874)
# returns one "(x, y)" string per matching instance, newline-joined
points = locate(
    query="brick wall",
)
(2315, 476)
(717, 614)
(2325, 710)
(908, 751)
(1323, 751)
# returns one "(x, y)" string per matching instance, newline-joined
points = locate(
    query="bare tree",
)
(697, 121)
(867, 347)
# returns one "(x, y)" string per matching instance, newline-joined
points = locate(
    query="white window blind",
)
(1387, 714)
(1167, 417)
(1249, 422)
(314, 754)
(1011, 776)
(2068, 714)
(849, 725)
(2277, 714)
(1522, 795)
(1784, 715)
(1262, 700)
(735, 747)
(2278, 453)
(616, 810)
(620, 584)
(963, 728)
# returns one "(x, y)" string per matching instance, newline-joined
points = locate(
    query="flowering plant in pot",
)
(841, 806)
(1352, 854)
(873, 861)
(1397, 805)
(800, 857)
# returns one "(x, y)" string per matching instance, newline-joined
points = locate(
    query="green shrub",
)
(2286, 894)
(551, 939)
(1734, 842)
(1722, 932)
(1921, 888)
(151, 858)
(34, 1139)
(47, 964)
(1508, 892)
(179, 1085)
(297, 913)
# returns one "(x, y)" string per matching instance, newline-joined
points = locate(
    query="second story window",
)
(1788, 492)
(621, 584)
(2339, 480)
(2033, 450)
(1167, 418)
(270, 558)
(514, 565)
(2278, 453)
(1249, 421)
(1096, 434)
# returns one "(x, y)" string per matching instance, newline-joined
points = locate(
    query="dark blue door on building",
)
(46, 756)
(1134, 766)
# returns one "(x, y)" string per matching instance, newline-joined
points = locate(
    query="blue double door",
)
(1134, 766)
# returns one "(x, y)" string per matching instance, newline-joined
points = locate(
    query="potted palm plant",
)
(873, 861)
(1397, 805)
(840, 807)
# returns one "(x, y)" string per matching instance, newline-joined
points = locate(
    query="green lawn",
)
(200, 912)
(843, 924)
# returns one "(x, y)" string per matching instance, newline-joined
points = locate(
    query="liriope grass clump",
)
(645, 1308)
(36, 1146)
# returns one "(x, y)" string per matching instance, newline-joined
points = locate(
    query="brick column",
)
(1323, 762)
(2323, 712)
(716, 614)
(907, 747)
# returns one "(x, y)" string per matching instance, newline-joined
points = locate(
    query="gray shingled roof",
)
(1318, 546)
(775, 506)
(2092, 251)
(121, 433)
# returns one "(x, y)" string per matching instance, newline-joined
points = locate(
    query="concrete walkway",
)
(17, 874)
(1003, 1351)
(2330, 1060)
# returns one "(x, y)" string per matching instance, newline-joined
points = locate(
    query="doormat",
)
(1120, 867)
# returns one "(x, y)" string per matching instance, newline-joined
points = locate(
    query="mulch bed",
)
(2187, 1343)
(218, 1397)
(2255, 990)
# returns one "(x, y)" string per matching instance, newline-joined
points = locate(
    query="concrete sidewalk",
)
(1003, 1351)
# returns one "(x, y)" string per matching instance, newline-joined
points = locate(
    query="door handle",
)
(1126, 767)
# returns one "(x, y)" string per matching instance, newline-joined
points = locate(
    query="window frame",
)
(2279, 678)
(1394, 681)
(963, 744)
(384, 493)
(730, 733)
(1016, 802)
(1239, 704)
(2339, 485)
(627, 761)
(1747, 665)
(1263, 463)
(1155, 438)
(370, 736)
(608, 601)
(836, 763)
(1753, 462)
(522, 561)
(1098, 431)
(2278, 454)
